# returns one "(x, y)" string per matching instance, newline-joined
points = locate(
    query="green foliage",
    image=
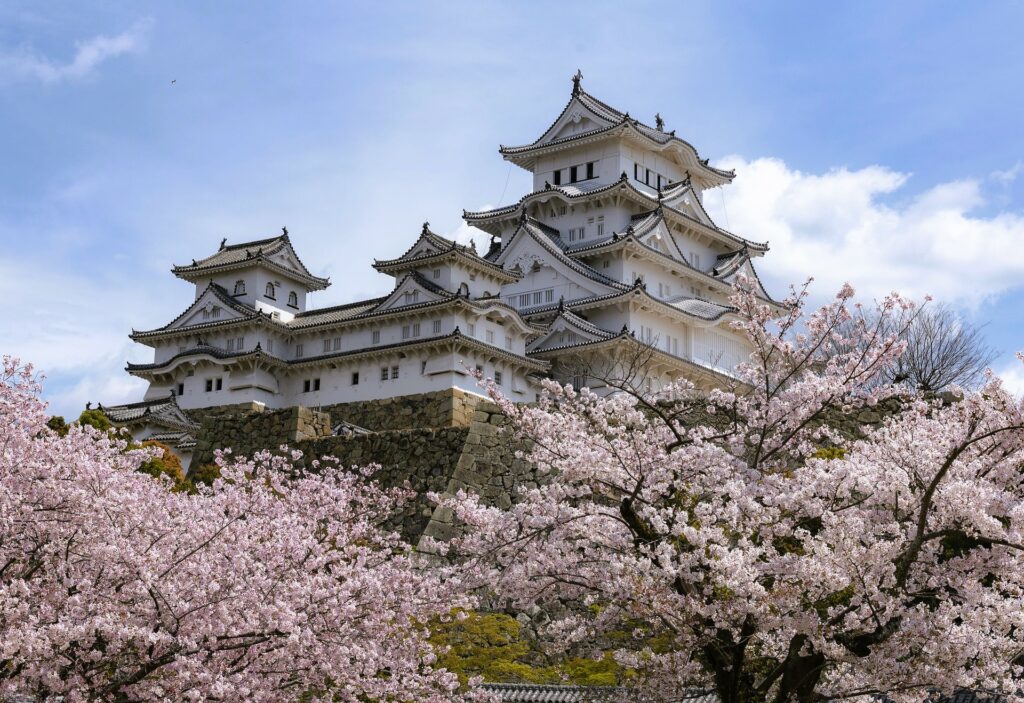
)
(491, 645)
(205, 474)
(830, 453)
(58, 425)
(95, 418)
(167, 464)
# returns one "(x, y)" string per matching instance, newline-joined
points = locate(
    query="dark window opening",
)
(355, 378)
(558, 177)
(636, 172)
(293, 299)
(316, 384)
(269, 292)
(573, 170)
(659, 180)
(305, 386)
(239, 287)
(647, 179)
(181, 389)
(209, 385)
(220, 383)
(590, 169)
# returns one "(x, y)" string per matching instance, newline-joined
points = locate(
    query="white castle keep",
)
(610, 254)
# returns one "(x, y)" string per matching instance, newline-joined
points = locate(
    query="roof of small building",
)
(259, 251)
(161, 411)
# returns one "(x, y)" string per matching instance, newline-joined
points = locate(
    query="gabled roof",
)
(258, 252)
(483, 218)
(244, 312)
(611, 121)
(431, 247)
(568, 320)
(412, 281)
(551, 241)
(163, 412)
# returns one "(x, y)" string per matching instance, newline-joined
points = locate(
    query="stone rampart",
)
(448, 408)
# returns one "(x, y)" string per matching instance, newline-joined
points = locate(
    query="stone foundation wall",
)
(247, 431)
(449, 408)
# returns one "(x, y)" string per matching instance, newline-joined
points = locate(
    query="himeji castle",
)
(610, 256)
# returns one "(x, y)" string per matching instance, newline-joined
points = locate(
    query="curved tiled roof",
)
(543, 693)
(617, 120)
(622, 182)
(246, 253)
(701, 309)
(205, 349)
(552, 243)
(444, 247)
(248, 313)
(163, 411)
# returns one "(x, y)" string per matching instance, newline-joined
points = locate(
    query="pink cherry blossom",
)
(762, 567)
(274, 584)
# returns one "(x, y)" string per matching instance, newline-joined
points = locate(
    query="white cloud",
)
(852, 226)
(88, 56)
(73, 330)
(1013, 377)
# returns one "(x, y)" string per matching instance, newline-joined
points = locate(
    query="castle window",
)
(471, 328)
(216, 313)
(305, 386)
(549, 295)
(472, 276)
(240, 343)
(423, 367)
(270, 346)
(590, 169)
(606, 263)
(659, 180)
(437, 273)
(394, 372)
(383, 373)
(437, 327)
(497, 377)
(537, 297)
(336, 344)
(299, 350)
(209, 385)
(181, 389)
(561, 210)
(508, 342)
(557, 177)
(293, 299)
(239, 287)
(316, 384)
(524, 299)
(231, 345)
(636, 172)
(573, 172)
(376, 336)
(355, 378)
(489, 335)
(220, 383)
(327, 345)
(600, 225)
(647, 176)
(269, 292)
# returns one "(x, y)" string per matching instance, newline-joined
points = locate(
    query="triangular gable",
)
(566, 330)
(687, 202)
(576, 118)
(660, 239)
(288, 259)
(211, 306)
(412, 289)
(530, 250)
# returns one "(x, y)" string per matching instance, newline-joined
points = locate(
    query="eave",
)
(396, 266)
(191, 273)
(491, 220)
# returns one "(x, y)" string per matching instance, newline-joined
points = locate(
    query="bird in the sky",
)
(173, 81)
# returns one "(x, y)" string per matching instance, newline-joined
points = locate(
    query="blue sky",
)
(876, 142)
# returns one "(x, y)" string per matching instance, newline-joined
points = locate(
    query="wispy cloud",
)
(27, 65)
(1009, 175)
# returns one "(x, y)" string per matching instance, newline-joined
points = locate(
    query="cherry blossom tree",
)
(275, 584)
(754, 549)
